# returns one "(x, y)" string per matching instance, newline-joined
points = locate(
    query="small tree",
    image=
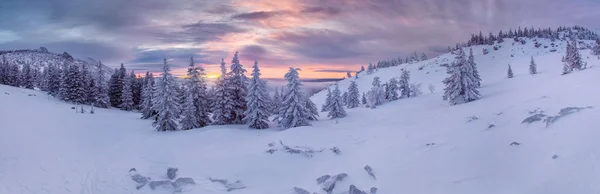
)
(509, 72)
(336, 109)
(363, 99)
(532, 67)
(596, 49)
(392, 89)
(345, 98)
(461, 84)
(327, 103)
(353, 95)
(404, 84)
(293, 112)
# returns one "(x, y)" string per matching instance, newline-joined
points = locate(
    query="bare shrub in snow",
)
(415, 89)
(237, 185)
(172, 173)
(370, 171)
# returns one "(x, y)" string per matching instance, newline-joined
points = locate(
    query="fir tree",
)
(74, 85)
(532, 67)
(189, 120)
(223, 106)
(293, 112)
(257, 113)
(165, 101)
(53, 80)
(238, 89)
(376, 95)
(325, 106)
(353, 95)
(348, 74)
(370, 69)
(26, 77)
(392, 89)
(197, 86)
(509, 73)
(147, 94)
(404, 84)
(90, 85)
(276, 103)
(345, 98)
(573, 58)
(127, 94)
(313, 112)
(473, 67)
(596, 49)
(116, 86)
(461, 83)
(136, 90)
(101, 95)
(363, 99)
(566, 69)
(336, 109)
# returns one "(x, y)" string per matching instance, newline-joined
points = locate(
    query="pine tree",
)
(13, 75)
(345, 98)
(101, 95)
(74, 86)
(363, 99)
(461, 84)
(348, 74)
(116, 86)
(239, 89)
(392, 89)
(313, 112)
(26, 77)
(257, 113)
(147, 95)
(165, 101)
(370, 69)
(566, 68)
(293, 112)
(423, 57)
(327, 103)
(89, 83)
(276, 103)
(509, 72)
(127, 94)
(596, 49)
(376, 95)
(353, 95)
(404, 84)
(53, 80)
(573, 57)
(473, 67)
(136, 90)
(223, 106)
(197, 86)
(189, 120)
(336, 109)
(532, 67)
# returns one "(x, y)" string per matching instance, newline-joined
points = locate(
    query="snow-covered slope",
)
(416, 145)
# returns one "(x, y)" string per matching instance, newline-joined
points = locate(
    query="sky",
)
(325, 38)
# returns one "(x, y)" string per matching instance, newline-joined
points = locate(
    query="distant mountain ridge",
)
(40, 58)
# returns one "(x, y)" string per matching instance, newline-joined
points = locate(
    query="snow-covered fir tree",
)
(573, 58)
(348, 74)
(404, 84)
(325, 106)
(375, 96)
(293, 111)
(223, 107)
(26, 78)
(353, 95)
(423, 57)
(392, 90)
(532, 67)
(116, 86)
(345, 98)
(313, 112)
(596, 48)
(101, 95)
(257, 113)
(74, 86)
(473, 67)
(188, 117)
(127, 94)
(136, 90)
(196, 84)
(566, 68)
(239, 89)
(90, 84)
(363, 99)
(461, 85)
(53, 80)
(370, 69)
(276, 101)
(509, 72)
(165, 101)
(147, 95)
(336, 109)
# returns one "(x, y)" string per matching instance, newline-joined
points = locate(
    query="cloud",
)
(258, 15)
(333, 70)
(320, 44)
(198, 32)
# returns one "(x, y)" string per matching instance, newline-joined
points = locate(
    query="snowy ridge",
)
(41, 58)
(414, 145)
